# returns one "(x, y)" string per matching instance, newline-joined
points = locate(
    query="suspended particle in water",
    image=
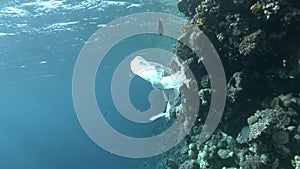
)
(160, 27)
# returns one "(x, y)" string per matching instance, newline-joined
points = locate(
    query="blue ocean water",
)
(39, 44)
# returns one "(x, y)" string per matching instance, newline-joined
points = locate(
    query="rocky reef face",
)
(258, 42)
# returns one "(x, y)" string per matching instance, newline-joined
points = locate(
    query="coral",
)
(276, 118)
(252, 43)
(250, 162)
(225, 154)
(252, 119)
(264, 144)
(201, 21)
(204, 95)
(220, 143)
(261, 125)
(268, 8)
(234, 86)
(257, 42)
(296, 162)
(256, 8)
(189, 164)
(171, 164)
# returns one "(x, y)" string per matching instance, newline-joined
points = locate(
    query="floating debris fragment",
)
(160, 27)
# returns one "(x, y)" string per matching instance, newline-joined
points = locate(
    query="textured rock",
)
(280, 137)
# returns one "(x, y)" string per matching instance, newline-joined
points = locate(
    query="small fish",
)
(160, 27)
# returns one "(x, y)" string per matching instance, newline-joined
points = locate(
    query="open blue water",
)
(39, 44)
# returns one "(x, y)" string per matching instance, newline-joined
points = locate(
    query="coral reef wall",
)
(258, 42)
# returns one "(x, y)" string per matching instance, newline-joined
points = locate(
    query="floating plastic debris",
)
(163, 78)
